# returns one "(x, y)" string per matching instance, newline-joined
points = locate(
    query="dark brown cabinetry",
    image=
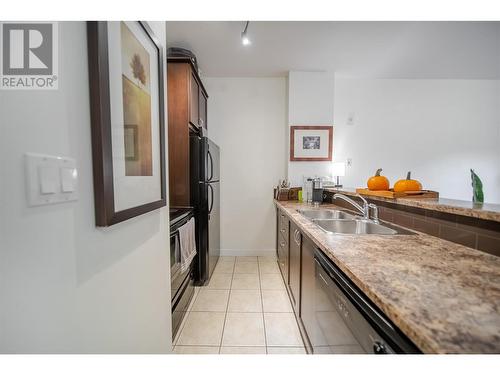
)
(282, 245)
(202, 109)
(307, 284)
(295, 268)
(187, 108)
(194, 96)
(333, 316)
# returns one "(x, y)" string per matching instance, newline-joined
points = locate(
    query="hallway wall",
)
(247, 119)
(65, 285)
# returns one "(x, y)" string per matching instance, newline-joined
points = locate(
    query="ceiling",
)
(454, 50)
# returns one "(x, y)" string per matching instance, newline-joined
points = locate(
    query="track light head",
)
(245, 40)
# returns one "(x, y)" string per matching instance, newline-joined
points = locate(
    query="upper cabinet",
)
(203, 109)
(194, 101)
(187, 111)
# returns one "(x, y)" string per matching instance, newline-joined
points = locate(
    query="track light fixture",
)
(244, 36)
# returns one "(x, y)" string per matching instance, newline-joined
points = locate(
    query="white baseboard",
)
(247, 253)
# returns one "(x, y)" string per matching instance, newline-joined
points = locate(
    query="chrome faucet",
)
(364, 210)
(375, 212)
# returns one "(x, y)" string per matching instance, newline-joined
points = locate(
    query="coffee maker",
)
(317, 195)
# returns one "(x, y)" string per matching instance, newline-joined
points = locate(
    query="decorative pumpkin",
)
(378, 182)
(407, 185)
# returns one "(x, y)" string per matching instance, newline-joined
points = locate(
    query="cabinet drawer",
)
(283, 226)
(294, 267)
(283, 260)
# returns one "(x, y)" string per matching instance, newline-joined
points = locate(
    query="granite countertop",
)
(485, 211)
(445, 297)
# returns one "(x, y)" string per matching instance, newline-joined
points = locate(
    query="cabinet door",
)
(307, 298)
(203, 109)
(295, 269)
(194, 98)
(282, 244)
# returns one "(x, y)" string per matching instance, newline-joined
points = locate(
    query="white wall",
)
(247, 119)
(438, 129)
(65, 285)
(310, 102)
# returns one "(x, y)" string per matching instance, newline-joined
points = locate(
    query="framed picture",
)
(128, 122)
(311, 143)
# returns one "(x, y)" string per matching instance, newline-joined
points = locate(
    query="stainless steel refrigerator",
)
(205, 198)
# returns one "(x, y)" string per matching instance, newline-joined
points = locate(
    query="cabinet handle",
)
(322, 278)
(296, 236)
(343, 308)
(282, 230)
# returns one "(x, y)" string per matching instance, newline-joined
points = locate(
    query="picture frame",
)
(126, 83)
(311, 143)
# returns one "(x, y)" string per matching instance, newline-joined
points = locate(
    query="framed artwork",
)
(311, 143)
(128, 121)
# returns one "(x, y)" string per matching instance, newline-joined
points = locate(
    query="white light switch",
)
(50, 179)
(68, 177)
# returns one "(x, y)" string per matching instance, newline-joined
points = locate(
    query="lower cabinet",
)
(295, 254)
(295, 268)
(308, 286)
(282, 248)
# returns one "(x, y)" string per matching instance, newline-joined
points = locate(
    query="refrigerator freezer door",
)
(213, 226)
(213, 162)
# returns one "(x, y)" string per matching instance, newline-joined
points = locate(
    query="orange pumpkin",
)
(407, 185)
(378, 182)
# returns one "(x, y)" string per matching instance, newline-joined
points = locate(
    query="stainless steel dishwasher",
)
(346, 321)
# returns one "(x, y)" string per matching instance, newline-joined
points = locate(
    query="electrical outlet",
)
(349, 162)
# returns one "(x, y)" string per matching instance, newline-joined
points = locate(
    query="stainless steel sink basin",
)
(326, 214)
(357, 227)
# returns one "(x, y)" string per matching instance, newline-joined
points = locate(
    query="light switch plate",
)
(47, 179)
(50, 179)
(68, 179)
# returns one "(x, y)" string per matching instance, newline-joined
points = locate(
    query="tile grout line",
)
(184, 320)
(262, 304)
(227, 306)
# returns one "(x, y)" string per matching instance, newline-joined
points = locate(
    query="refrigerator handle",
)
(211, 199)
(211, 166)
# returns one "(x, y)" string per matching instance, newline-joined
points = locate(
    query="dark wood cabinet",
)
(185, 90)
(307, 287)
(282, 247)
(203, 109)
(194, 102)
(295, 267)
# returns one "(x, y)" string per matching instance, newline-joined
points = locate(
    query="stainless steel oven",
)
(346, 320)
(181, 283)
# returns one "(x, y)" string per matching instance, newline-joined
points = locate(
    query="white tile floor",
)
(244, 310)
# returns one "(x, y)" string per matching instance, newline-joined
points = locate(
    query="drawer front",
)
(283, 225)
(283, 258)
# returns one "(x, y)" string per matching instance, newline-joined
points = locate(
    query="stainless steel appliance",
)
(317, 190)
(205, 198)
(346, 321)
(181, 283)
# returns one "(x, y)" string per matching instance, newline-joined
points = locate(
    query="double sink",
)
(340, 222)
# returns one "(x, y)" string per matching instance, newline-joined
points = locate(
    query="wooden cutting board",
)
(405, 194)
